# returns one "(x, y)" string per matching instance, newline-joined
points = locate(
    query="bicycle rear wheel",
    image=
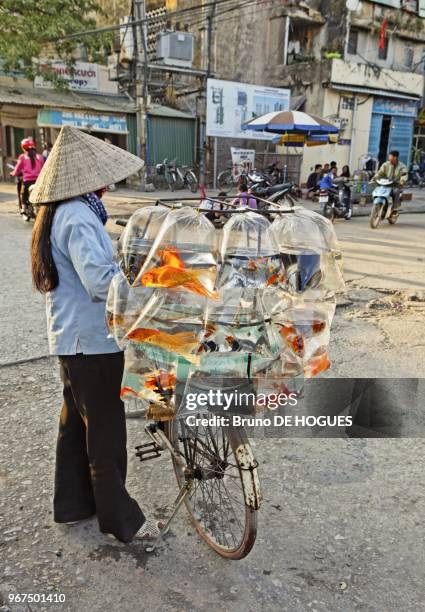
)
(192, 181)
(225, 179)
(216, 503)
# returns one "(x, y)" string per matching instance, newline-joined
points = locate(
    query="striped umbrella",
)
(283, 122)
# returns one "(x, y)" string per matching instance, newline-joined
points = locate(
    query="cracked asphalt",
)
(341, 528)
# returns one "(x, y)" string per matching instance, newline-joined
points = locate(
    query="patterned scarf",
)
(96, 205)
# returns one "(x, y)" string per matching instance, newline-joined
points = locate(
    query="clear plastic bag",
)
(249, 253)
(184, 255)
(309, 251)
(304, 325)
(138, 237)
(252, 315)
(123, 306)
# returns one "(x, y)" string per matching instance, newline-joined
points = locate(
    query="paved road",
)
(341, 528)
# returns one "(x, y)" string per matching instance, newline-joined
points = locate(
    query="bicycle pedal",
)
(150, 450)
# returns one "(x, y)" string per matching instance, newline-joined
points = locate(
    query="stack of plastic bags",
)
(197, 309)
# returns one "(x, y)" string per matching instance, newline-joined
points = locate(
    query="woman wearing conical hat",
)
(73, 264)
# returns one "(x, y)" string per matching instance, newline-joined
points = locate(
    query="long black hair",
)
(32, 154)
(45, 275)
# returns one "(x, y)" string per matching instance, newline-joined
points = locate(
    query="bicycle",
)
(177, 177)
(187, 178)
(216, 473)
(231, 177)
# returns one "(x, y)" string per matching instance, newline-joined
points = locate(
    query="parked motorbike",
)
(336, 203)
(416, 178)
(258, 180)
(383, 203)
(275, 173)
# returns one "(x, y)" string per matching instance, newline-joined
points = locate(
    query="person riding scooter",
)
(395, 170)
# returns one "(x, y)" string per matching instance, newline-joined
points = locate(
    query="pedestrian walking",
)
(73, 264)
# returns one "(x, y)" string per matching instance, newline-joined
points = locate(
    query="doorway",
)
(384, 139)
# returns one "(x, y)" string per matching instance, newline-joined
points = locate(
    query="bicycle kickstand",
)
(182, 494)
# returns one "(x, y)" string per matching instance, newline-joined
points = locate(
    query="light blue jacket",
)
(84, 257)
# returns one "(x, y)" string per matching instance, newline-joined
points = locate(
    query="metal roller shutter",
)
(401, 135)
(169, 138)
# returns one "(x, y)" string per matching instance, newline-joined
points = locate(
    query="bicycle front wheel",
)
(217, 501)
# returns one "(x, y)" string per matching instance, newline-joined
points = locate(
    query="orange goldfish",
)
(160, 381)
(170, 276)
(293, 339)
(318, 326)
(273, 279)
(316, 365)
(120, 320)
(252, 265)
(128, 391)
(182, 343)
(171, 257)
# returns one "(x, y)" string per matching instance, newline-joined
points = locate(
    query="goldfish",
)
(293, 339)
(173, 273)
(316, 364)
(318, 326)
(171, 257)
(273, 279)
(171, 276)
(160, 381)
(182, 343)
(128, 391)
(119, 320)
(252, 265)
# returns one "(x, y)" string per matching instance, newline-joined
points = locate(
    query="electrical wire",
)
(144, 21)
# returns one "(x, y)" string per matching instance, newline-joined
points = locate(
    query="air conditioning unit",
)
(175, 48)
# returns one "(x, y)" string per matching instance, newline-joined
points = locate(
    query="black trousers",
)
(91, 455)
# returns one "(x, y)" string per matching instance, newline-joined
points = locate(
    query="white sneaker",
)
(150, 530)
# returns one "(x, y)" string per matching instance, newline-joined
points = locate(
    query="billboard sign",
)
(230, 104)
(84, 120)
(83, 76)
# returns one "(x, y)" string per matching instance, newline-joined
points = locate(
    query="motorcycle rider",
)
(395, 170)
(328, 180)
(29, 167)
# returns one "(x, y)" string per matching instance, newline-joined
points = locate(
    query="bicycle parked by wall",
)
(177, 177)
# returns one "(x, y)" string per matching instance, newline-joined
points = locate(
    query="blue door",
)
(375, 135)
(401, 135)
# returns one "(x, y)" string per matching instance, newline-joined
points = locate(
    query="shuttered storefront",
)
(391, 127)
(170, 137)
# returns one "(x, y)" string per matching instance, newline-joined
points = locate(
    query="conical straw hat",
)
(80, 163)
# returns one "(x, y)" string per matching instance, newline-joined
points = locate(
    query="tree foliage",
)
(33, 29)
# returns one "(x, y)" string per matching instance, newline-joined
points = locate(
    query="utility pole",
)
(202, 134)
(139, 9)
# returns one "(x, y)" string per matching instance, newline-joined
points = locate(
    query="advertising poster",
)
(231, 104)
(83, 76)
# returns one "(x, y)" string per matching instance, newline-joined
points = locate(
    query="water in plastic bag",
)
(138, 237)
(250, 255)
(183, 256)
